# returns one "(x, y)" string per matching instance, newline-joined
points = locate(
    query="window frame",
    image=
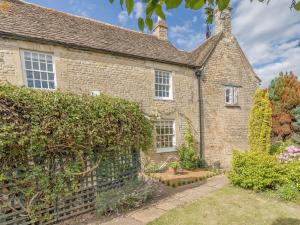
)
(170, 85)
(233, 95)
(22, 53)
(166, 149)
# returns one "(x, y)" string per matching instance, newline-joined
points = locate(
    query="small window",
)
(163, 85)
(165, 136)
(95, 93)
(231, 95)
(39, 70)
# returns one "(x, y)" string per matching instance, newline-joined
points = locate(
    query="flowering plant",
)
(291, 153)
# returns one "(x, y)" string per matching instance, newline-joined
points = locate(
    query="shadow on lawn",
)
(286, 221)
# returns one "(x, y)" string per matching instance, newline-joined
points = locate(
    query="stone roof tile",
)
(32, 22)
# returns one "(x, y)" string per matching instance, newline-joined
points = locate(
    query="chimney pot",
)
(161, 29)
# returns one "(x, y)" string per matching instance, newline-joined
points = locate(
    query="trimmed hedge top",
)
(46, 124)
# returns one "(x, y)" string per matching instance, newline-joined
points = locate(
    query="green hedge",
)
(41, 127)
(260, 171)
(255, 170)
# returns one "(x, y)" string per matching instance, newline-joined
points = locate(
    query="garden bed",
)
(182, 177)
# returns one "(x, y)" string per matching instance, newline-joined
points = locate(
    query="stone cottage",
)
(211, 86)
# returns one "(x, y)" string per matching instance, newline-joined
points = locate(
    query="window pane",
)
(37, 75)
(227, 92)
(35, 65)
(28, 65)
(43, 66)
(27, 55)
(49, 58)
(29, 74)
(235, 94)
(44, 75)
(44, 84)
(35, 57)
(51, 76)
(51, 85)
(30, 83)
(50, 67)
(42, 58)
(37, 84)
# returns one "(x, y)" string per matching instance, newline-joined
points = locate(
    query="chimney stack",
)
(161, 29)
(223, 21)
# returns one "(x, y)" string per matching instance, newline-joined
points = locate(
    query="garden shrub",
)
(288, 192)
(279, 147)
(255, 170)
(41, 128)
(291, 173)
(260, 123)
(133, 194)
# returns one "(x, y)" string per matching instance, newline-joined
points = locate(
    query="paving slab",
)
(154, 211)
(122, 220)
(147, 215)
(168, 204)
(217, 182)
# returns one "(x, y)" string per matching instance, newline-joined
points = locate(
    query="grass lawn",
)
(233, 206)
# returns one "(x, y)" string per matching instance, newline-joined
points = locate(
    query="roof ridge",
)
(83, 17)
(206, 40)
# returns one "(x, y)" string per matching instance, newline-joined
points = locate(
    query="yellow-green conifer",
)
(260, 123)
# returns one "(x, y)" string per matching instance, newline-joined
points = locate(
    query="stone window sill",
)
(164, 99)
(166, 150)
(232, 106)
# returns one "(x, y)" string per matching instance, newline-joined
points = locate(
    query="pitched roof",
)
(201, 54)
(31, 22)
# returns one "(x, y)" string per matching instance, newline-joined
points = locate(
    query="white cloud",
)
(138, 11)
(269, 35)
(123, 17)
(81, 9)
(185, 36)
(195, 19)
(168, 13)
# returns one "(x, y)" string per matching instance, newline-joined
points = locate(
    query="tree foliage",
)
(159, 8)
(260, 123)
(285, 98)
(40, 129)
(285, 92)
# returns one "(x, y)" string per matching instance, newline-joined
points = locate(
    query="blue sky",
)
(268, 34)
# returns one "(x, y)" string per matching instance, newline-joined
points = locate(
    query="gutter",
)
(199, 75)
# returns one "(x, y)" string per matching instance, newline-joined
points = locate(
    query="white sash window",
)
(39, 70)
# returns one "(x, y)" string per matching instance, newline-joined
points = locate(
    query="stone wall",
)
(82, 72)
(225, 127)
